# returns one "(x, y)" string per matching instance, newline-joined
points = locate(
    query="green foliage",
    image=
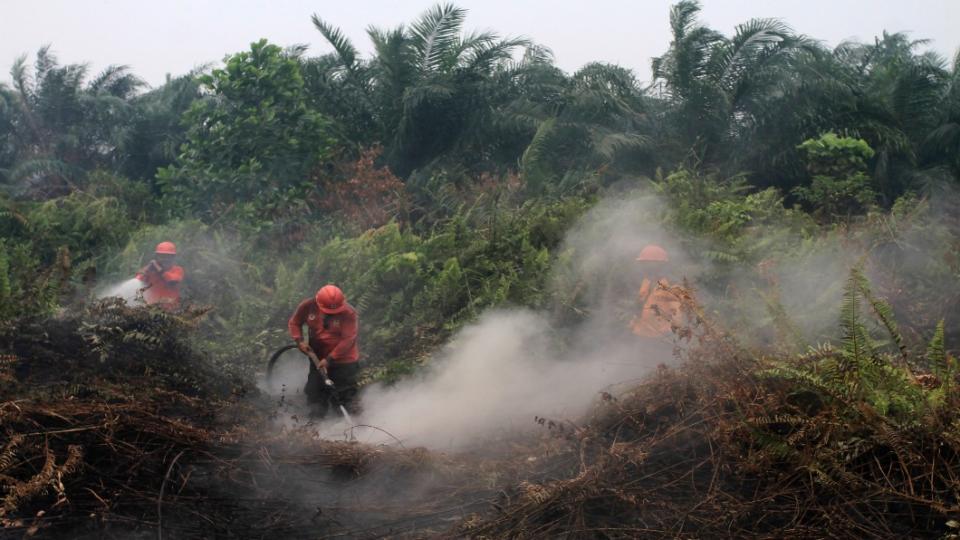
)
(720, 89)
(835, 156)
(82, 223)
(840, 186)
(863, 376)
(154, 135)
(26, 287)
(411, 289)
(724, 212)
(943, 364)
(54, 244)
(254, 139)
(61, 126)
(493, 152)
(423, 89)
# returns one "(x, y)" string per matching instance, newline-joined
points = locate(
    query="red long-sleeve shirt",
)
(330, 336)
(161, 287)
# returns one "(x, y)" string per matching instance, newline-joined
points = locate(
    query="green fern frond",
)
(857, 347)
(829, 383)
(883, 311)
(942, 363)
(936, 352)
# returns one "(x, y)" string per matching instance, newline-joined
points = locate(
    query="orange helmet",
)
(166, 248)
(330, 299)
(653, 252)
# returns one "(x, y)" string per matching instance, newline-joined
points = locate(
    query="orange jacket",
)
(331, 336)
(659, 308)
(161, 287)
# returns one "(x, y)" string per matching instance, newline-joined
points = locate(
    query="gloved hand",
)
(304, 347)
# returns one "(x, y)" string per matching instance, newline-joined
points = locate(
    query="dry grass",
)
(711, 449)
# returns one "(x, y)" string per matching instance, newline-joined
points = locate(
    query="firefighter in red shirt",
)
(331, 334)
(162, 278)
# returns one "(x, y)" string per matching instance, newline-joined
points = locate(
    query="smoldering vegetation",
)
(498, 374)
(487, 231)
(548, 415)
(112, 424)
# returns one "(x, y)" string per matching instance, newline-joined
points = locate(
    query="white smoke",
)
(494, 379)
(498, 374)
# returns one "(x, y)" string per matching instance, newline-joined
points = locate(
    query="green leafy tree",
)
(253, 140)
(840, 186)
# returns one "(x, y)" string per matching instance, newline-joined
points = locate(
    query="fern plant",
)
(863, 374)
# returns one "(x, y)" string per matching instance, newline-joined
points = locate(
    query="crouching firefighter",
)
(332, 335)
(161, 278)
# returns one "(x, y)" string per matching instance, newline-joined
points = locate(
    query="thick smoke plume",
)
(498, 374)
(513, 365)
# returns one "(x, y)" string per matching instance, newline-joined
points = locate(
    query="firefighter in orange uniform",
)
(658, 307)
(162, 278)
(332, 329)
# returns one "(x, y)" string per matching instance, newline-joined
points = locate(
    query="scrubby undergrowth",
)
(110, 424)
(857, 441)
(102, 434)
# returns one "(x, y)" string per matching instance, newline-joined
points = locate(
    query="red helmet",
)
(166, 248)
(330, 299)
(653, 252)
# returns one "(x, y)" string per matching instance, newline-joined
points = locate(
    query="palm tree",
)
(941, 145)
(581, 123)
(8, 141)
(898, 97)
(152, 137)
(61, 126)
(719, 88)
(426, 89)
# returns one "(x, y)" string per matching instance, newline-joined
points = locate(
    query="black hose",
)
(273, 360)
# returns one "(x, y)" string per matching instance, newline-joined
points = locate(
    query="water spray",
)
(129, 290)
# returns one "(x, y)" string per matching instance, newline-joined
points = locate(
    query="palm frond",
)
(732, 59)
(539, 54)
(536, 149)
(416, 96)
(21, 78)
(116, 81)
(346, 52)
(435, 34)
(683, 17)
(37, 167)
(393, 55)
(484, 56)
(45, 62)
(608, 142)
(296, 50)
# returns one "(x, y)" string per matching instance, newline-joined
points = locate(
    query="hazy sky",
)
(156, 38)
